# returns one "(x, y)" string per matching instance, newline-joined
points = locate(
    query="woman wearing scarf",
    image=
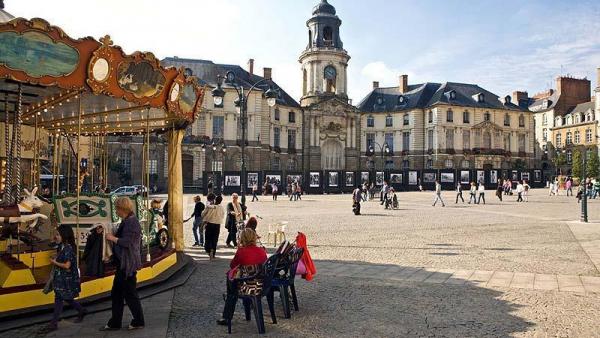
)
(235, 214)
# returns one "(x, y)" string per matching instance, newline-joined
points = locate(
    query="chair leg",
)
(285, 302)
(271, 301)
(247, 308)
(294, 297)
(258, 315)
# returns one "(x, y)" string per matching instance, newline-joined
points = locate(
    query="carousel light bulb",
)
(45, 110)
(39, 113)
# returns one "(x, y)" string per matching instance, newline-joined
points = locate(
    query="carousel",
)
(72, 92)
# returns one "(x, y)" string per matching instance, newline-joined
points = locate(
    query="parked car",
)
(142, 190)
(126, 191)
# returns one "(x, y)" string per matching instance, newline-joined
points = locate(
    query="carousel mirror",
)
(175, 92)
(100, 70)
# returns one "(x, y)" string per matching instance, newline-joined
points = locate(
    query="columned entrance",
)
(332, 155)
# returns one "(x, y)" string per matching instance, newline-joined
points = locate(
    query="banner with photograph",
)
(333, 179)
(364, 177)
(493, 176)
(413, 178)
(429, 177)
(395, 178)
(349, 179)
(379, 177)
(537, 176)
(315, 179)
(447, 177)
(480, 177)
(273, 179)
(252, 179)
(232, 181)
(465, 177)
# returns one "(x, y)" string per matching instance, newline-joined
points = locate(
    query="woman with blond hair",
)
(128, 261)
(246, 262)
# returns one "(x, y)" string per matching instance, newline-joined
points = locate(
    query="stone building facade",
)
(444, 126)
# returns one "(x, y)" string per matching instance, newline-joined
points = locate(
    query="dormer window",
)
(401, 100)
(479, 97)
(507, 99)
(380, 100)
(545, 104)
(451, 95)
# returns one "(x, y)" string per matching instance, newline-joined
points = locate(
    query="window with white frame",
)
(569, 138)
(406, 141)
(370, 121)
(389, 140)
(370, 140)
(389, 121)
(449, 164)
(588, 136)
(558, 140)
(449, 116)
(405, 120)
(153, 167)
(291, 139)
(465, 164)
(577, 137)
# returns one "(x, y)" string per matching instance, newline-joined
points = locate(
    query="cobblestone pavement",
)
(496, 270)
(501, 269)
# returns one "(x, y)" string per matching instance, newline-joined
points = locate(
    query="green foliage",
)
(577, 164)
(560, 159)
(124, 174)
(519, 164)
(593, 164)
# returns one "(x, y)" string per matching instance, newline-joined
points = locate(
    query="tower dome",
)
(324, 8)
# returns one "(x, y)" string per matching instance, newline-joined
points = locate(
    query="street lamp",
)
(384, 151)
(584, 213)
(214, 148)
(241, 107)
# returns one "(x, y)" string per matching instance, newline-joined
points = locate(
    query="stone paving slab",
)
(570, 284)
(523, 280)
(545, 282)
(490, 279)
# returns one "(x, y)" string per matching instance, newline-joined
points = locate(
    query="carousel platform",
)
(21, 288)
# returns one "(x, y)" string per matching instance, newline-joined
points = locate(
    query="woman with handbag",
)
(65, 278)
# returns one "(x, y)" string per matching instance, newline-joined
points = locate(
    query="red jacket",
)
(250, 255)
(311, 270)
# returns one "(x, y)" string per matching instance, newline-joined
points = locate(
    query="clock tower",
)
(324, 61)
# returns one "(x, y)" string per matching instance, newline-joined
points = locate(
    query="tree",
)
(577, 164)
(559, 159)
(519, 164)
(593, 164)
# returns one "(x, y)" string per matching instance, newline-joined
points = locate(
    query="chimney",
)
(518, 96)
(375, 84)
(403, 84)
(251, 66)
(267, 73)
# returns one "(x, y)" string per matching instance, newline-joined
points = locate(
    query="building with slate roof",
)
(4, 15)
(445, 126)
(578, 127)
(549, 109)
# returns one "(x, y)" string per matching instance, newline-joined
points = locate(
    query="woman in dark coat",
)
(92, 255)
(235, 214)
(128, 261)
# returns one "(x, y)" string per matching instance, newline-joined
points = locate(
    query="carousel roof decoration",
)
(118, 93)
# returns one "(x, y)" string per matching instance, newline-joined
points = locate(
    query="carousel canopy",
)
(56, 78)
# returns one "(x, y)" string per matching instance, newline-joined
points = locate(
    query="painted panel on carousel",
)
(140, 79)
(37, 55)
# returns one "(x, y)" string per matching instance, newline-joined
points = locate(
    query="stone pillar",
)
(175, 188)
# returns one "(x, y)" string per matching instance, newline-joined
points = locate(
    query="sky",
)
(502, 46)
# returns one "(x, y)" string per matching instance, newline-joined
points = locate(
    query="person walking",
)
(385, 189)
(65, 278)
(473, 193)
(212, 216)
(356, 199)
(459, 193)
(299, 192)
(128, 261)
(500, 189)
(235, 214)
(255, 192)
(292, 193)
(481, 191)
(275, 191)
(526, 188)
(569, 186)
(520, 190)
(365, 191)
(198, 229)
(438, 194)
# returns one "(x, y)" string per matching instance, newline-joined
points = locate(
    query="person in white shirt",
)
(520, 190)
(526, 191)
(438, 194)
(459, 193)
(481, 191)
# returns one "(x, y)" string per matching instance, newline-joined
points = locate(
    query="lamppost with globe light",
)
(215, 150)
(242, 109)
(384, 150)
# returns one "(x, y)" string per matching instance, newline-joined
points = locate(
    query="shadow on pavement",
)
(342, 304)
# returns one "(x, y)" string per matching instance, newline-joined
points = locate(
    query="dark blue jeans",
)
(198, 231)
(58, 307)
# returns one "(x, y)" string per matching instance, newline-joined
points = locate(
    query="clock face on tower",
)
(330, 73)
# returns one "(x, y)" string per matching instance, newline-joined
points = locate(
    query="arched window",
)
(328, 35)
(521, 121)
(292, 164)
(330, 76)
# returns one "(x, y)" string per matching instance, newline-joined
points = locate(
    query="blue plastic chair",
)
(254, 302)
(284, 281)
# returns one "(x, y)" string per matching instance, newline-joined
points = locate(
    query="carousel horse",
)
(23, 213)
